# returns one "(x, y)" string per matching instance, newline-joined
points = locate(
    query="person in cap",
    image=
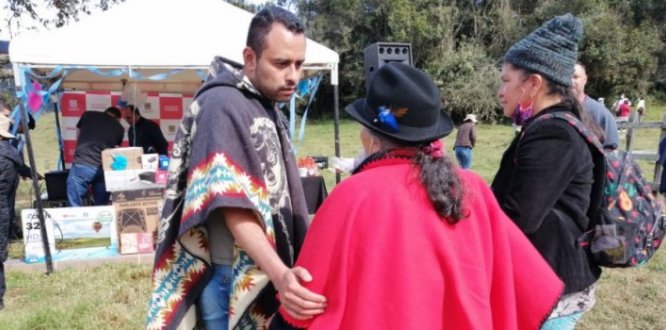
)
(410, 241)
(545, 179)
(17, 142)
(11, 168)
(640, 108)
(465, 140)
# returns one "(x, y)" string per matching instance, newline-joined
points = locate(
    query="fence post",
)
(658, 168)
(633, 120)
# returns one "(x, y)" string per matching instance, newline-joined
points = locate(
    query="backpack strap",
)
(598, 157)
(570, 119)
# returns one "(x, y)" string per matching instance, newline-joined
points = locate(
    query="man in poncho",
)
(235, 216)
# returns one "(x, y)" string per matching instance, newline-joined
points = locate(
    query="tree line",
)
(461, 42)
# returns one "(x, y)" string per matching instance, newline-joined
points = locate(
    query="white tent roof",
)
(150, 36)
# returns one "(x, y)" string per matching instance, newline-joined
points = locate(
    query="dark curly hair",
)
(441, 180)
(439, 177)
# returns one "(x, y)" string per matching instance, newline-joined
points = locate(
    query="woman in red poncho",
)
(412, 242)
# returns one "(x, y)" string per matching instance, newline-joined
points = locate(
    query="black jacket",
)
(148, 135)
(11, 167)
(544, 184)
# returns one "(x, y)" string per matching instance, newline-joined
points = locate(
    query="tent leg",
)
(59, 133)
(35, 188)
(336, 122)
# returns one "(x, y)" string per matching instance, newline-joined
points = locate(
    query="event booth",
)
(156, 52)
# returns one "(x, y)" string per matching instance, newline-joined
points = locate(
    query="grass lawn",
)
(114, 296)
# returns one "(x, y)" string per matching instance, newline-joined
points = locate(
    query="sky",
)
(27, 23)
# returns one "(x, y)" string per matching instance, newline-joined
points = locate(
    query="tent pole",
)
(20, 82)
(336, 121)
(35, 188)
(336, 114)
(59, 132)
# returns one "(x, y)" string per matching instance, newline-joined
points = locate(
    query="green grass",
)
(114, 296)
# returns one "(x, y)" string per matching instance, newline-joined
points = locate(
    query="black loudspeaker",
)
(380, 53)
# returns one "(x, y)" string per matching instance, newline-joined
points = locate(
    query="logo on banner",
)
(171, 129)
(73, 104)
(97, 105)
(148, 107)
(172, 108)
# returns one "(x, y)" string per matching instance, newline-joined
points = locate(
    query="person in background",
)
(144, 133)
(4, 109)
(96, 131)
(624, 111)
(618, 103)
(594, 109)
(18, 143)
(11, 168)
(465, 140)
(545, 179)
(640, 108)
(662, 161)
(234, 216)
(428, 248)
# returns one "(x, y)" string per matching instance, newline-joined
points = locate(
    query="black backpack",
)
(626, 221)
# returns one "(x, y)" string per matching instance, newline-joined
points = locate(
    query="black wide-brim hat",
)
(403, 104)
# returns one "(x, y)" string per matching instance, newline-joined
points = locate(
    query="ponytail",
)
(445, 191)
(437, 174)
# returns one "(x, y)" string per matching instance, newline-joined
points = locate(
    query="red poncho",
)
(384, 259)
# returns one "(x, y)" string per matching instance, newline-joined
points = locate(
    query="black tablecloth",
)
(314, 188)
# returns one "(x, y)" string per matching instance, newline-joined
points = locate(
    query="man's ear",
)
(249, 59)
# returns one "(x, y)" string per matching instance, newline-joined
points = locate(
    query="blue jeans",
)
(566, 322)
(80, 177)
(464, 156)
(214, 301)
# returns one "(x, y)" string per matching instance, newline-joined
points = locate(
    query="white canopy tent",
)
(158, 45)
(161, 45)
(149, 37)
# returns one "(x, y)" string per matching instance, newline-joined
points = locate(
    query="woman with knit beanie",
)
(546, 176)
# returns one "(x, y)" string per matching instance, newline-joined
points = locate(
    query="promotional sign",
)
(73, 233)
(165, 109)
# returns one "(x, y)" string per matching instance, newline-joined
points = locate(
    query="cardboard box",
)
(150, 162)
(137, 211)
(132, 155)
(136, 243)
(164, 162)
(79, 232)
(161, 177)
(131, 180)
(120, 180)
